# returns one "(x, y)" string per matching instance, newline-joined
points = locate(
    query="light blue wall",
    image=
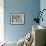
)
(29, 7)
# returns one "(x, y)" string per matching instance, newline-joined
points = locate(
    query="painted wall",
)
(29, 7)
(43, 6)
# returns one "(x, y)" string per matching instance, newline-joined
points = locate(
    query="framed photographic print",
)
(17, 18)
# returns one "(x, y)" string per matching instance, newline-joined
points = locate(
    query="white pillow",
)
(20, 42)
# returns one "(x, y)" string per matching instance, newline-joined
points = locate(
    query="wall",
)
(29, 7)
(43, 6)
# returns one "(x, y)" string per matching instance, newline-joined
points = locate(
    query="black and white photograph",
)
(17, 18)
